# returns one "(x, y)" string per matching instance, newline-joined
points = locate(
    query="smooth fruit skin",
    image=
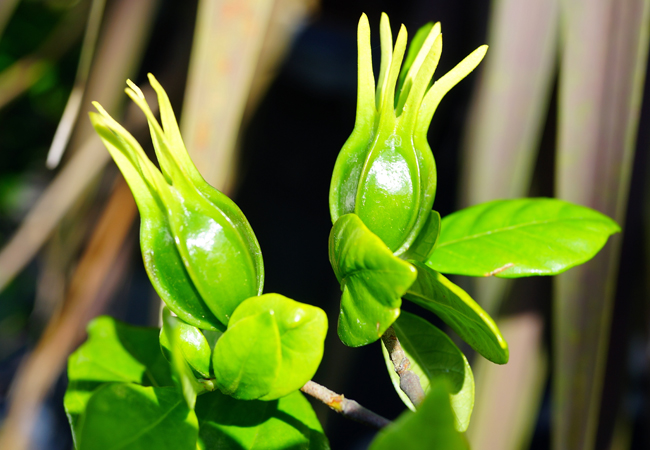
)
(385, 172)
(199, 250)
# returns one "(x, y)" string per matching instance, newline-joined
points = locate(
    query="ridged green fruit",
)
(385, 172)
(199, 250)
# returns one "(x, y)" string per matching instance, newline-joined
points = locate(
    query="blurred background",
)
(266, 92)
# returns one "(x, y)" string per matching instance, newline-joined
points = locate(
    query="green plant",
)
(225, 370)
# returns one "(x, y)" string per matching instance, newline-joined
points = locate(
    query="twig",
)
(346, 407)
(409, 382)
(42, 367)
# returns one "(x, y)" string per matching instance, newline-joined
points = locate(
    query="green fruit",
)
(198, 248)
(385, 172)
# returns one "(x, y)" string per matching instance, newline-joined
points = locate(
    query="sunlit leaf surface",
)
(287, 423)
(518, 238)
(431, 427)
(433, 355)
(129, 416)
(453, 305)
(114, 352)
(372, 279)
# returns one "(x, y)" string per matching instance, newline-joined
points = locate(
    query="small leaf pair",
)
(198, 248)
(192, 343)
(188, 352)
(373, 281)
(272, 347)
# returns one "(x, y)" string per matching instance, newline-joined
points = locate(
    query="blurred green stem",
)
(605, 45)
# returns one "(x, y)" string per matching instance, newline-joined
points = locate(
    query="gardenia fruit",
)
(198, 248)
(385, 172)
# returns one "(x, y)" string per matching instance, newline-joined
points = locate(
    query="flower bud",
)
(198, 248)
(385, 172)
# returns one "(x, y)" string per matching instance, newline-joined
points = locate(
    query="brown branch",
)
(42, 367)
(409, 382)
(346, 407)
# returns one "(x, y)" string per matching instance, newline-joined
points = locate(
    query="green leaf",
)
(194, 346)
(127, 416)
(515, 238)
(372, 279)
(456, 308)
(287, 423)
(431, 427)
(246, 360)
(433, 355)
(302, 331)
(181, 369)
(114, 352)
(425, 242)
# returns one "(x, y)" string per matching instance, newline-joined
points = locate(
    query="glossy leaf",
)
(246, 360)
(302, 329)
(372, 279)
(287, 423)
(129, 416)
(194, 347)
(456, 308)
(515, 238)
(434, 355)
(114, 352)
(181, 370)
(430, 427)
(425, 242)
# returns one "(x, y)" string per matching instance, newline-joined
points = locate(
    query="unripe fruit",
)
(385, 172)
(198, 248)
